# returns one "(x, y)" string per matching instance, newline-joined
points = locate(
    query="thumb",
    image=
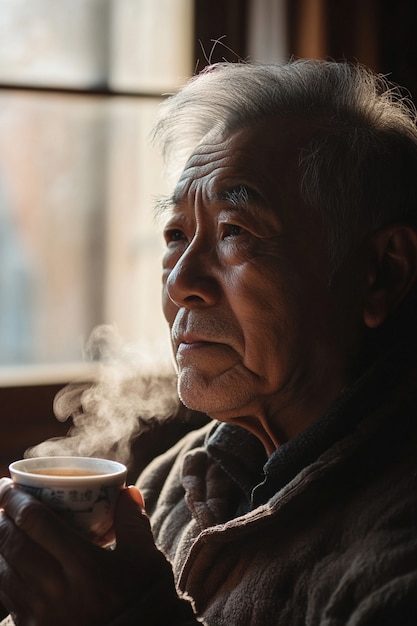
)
(134, 495)
(131, 524)
(134, 538)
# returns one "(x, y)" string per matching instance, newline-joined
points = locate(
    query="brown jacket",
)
(334, 543)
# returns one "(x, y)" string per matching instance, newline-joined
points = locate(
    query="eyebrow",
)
(240, 196)
(246, 200)
(163, 205)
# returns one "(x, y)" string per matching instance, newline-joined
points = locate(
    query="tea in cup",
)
(82, 490)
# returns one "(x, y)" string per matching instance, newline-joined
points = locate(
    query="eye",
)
(232, 230)
(174, 234)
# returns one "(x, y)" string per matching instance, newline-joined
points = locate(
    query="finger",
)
(134, 538)
(18, 550)
(136, 496)
(29, 577)
(42, 525)
(4, 484)
(135, 544)
(35, 584)
(131, 524)
(47, 566)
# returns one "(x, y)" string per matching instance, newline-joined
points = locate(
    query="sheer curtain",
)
(267, 30)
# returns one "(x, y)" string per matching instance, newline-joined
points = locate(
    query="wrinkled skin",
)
(259, 336)
(49, 575)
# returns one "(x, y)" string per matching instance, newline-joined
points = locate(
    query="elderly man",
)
(289, 285)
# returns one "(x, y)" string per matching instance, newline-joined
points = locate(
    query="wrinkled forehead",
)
(263, 157)
(253, 171)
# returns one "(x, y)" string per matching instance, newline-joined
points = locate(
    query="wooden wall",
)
(26, 419)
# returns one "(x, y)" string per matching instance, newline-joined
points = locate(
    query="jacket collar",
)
(243, 458)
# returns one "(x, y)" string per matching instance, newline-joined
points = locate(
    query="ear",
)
(391, 273)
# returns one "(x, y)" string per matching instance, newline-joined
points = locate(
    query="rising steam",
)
(130, 391)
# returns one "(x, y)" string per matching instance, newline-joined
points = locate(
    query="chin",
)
(218, 401)
(224, 396)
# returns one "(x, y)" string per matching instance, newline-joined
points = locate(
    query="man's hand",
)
(50, 575)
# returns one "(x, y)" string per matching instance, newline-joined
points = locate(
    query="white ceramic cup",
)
(82, 490)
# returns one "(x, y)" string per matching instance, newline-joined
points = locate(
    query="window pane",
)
(143, 45)
(54, 43)
(77, 174)
(152, 46)
(134, 241)
(77, 180)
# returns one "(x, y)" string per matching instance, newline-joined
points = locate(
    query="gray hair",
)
(360, 169)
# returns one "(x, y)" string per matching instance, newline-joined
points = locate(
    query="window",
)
(80, 84)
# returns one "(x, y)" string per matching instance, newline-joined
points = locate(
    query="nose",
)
(192, 281)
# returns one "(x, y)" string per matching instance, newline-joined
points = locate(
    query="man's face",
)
(257, 334)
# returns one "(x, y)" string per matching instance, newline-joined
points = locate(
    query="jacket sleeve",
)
(160, 605)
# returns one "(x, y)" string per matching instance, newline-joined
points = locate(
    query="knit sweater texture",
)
(324, 532)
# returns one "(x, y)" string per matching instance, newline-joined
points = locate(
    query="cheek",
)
(265, 315)
(267, 340)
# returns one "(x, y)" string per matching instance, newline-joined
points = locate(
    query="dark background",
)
(377, 33)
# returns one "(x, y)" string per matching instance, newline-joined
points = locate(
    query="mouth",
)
(185, 346)
(190, 334)
(189, 345)
(189, 338)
